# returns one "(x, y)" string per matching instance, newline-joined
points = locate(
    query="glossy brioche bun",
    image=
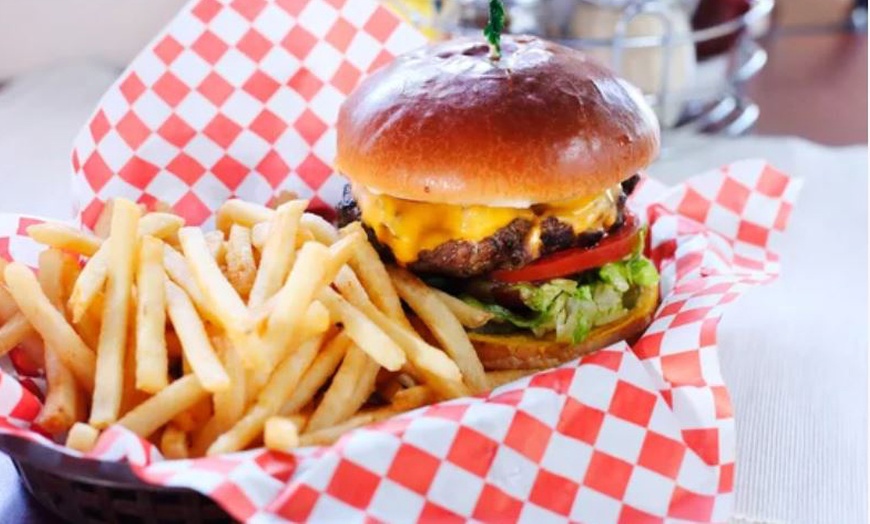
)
(527, 352)
(448, 124)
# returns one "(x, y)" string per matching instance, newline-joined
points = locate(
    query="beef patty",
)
(504, 249)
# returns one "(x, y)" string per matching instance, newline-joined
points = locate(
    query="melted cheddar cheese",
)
(408, 227)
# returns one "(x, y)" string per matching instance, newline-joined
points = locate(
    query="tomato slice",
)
(571, 261)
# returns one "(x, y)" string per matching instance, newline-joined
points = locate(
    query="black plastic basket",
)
(90, 491)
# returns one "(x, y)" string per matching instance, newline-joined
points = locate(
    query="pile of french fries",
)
(275, 329)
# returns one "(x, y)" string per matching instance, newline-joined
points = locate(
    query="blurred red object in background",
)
(714, 12)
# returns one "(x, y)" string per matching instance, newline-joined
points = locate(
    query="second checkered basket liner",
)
(239, 99)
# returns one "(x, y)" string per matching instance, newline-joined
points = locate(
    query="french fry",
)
(316, 320)
(160, 225)
(201, 412)
(293, 299)
(16, 329)
(82, 437)
(368, 335)
(468, 315)
(444, 326)
(185, 420)
(93, 276)
(315, 316)
(227, 402)
(179, 396)
(282, 197)
(248, 214)
(432, 366)
(64, 404)
(88, 327)
(67, 238)
(328, 436)
(70, 271)
(406, 400)
(278, 252)
(367, 266)
(161, 206)
(317, 374)
(195, 417)
(13, 332)
(259, 234)
(241, 267)
(496, 378)
(413, 398)
(215, 242)
(195, 343)
(178, 271)
(255, 379)
(225, 303)
(351, 386)
(243, 433)
(206, 435)
(8, 307)
(104, 221)
(229, 405)
(313, 227)
(243, 213)
(108, 383)
(387, 384)
(173, 443)
(130, 396)
(152, 360)
(321, 230)
(340, 253)
(276, 391)
(51, 324)
(406, 380)
(281, 434)
(89, 284)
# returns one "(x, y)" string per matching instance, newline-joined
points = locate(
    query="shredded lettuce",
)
(570, 308)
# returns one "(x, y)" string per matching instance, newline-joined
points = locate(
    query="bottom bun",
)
(528, 352)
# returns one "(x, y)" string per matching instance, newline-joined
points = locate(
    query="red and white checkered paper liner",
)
(234, 99)
(239, 99)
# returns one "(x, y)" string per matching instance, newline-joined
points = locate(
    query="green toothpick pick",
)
(494, 27)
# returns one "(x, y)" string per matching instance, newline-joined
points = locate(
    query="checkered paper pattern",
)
(234, 99)
(239, 99)
(626, 434)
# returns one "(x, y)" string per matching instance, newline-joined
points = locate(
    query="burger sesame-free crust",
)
(448, 124)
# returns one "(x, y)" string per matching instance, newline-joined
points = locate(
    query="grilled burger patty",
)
(504, 249)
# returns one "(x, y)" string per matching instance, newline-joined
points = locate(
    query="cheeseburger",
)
(503, 182)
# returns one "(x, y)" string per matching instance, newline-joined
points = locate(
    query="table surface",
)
(825, 76)
(814, 86)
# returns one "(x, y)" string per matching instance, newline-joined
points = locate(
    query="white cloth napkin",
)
(793, 353)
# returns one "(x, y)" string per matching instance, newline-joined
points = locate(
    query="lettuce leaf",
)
(571, 308)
